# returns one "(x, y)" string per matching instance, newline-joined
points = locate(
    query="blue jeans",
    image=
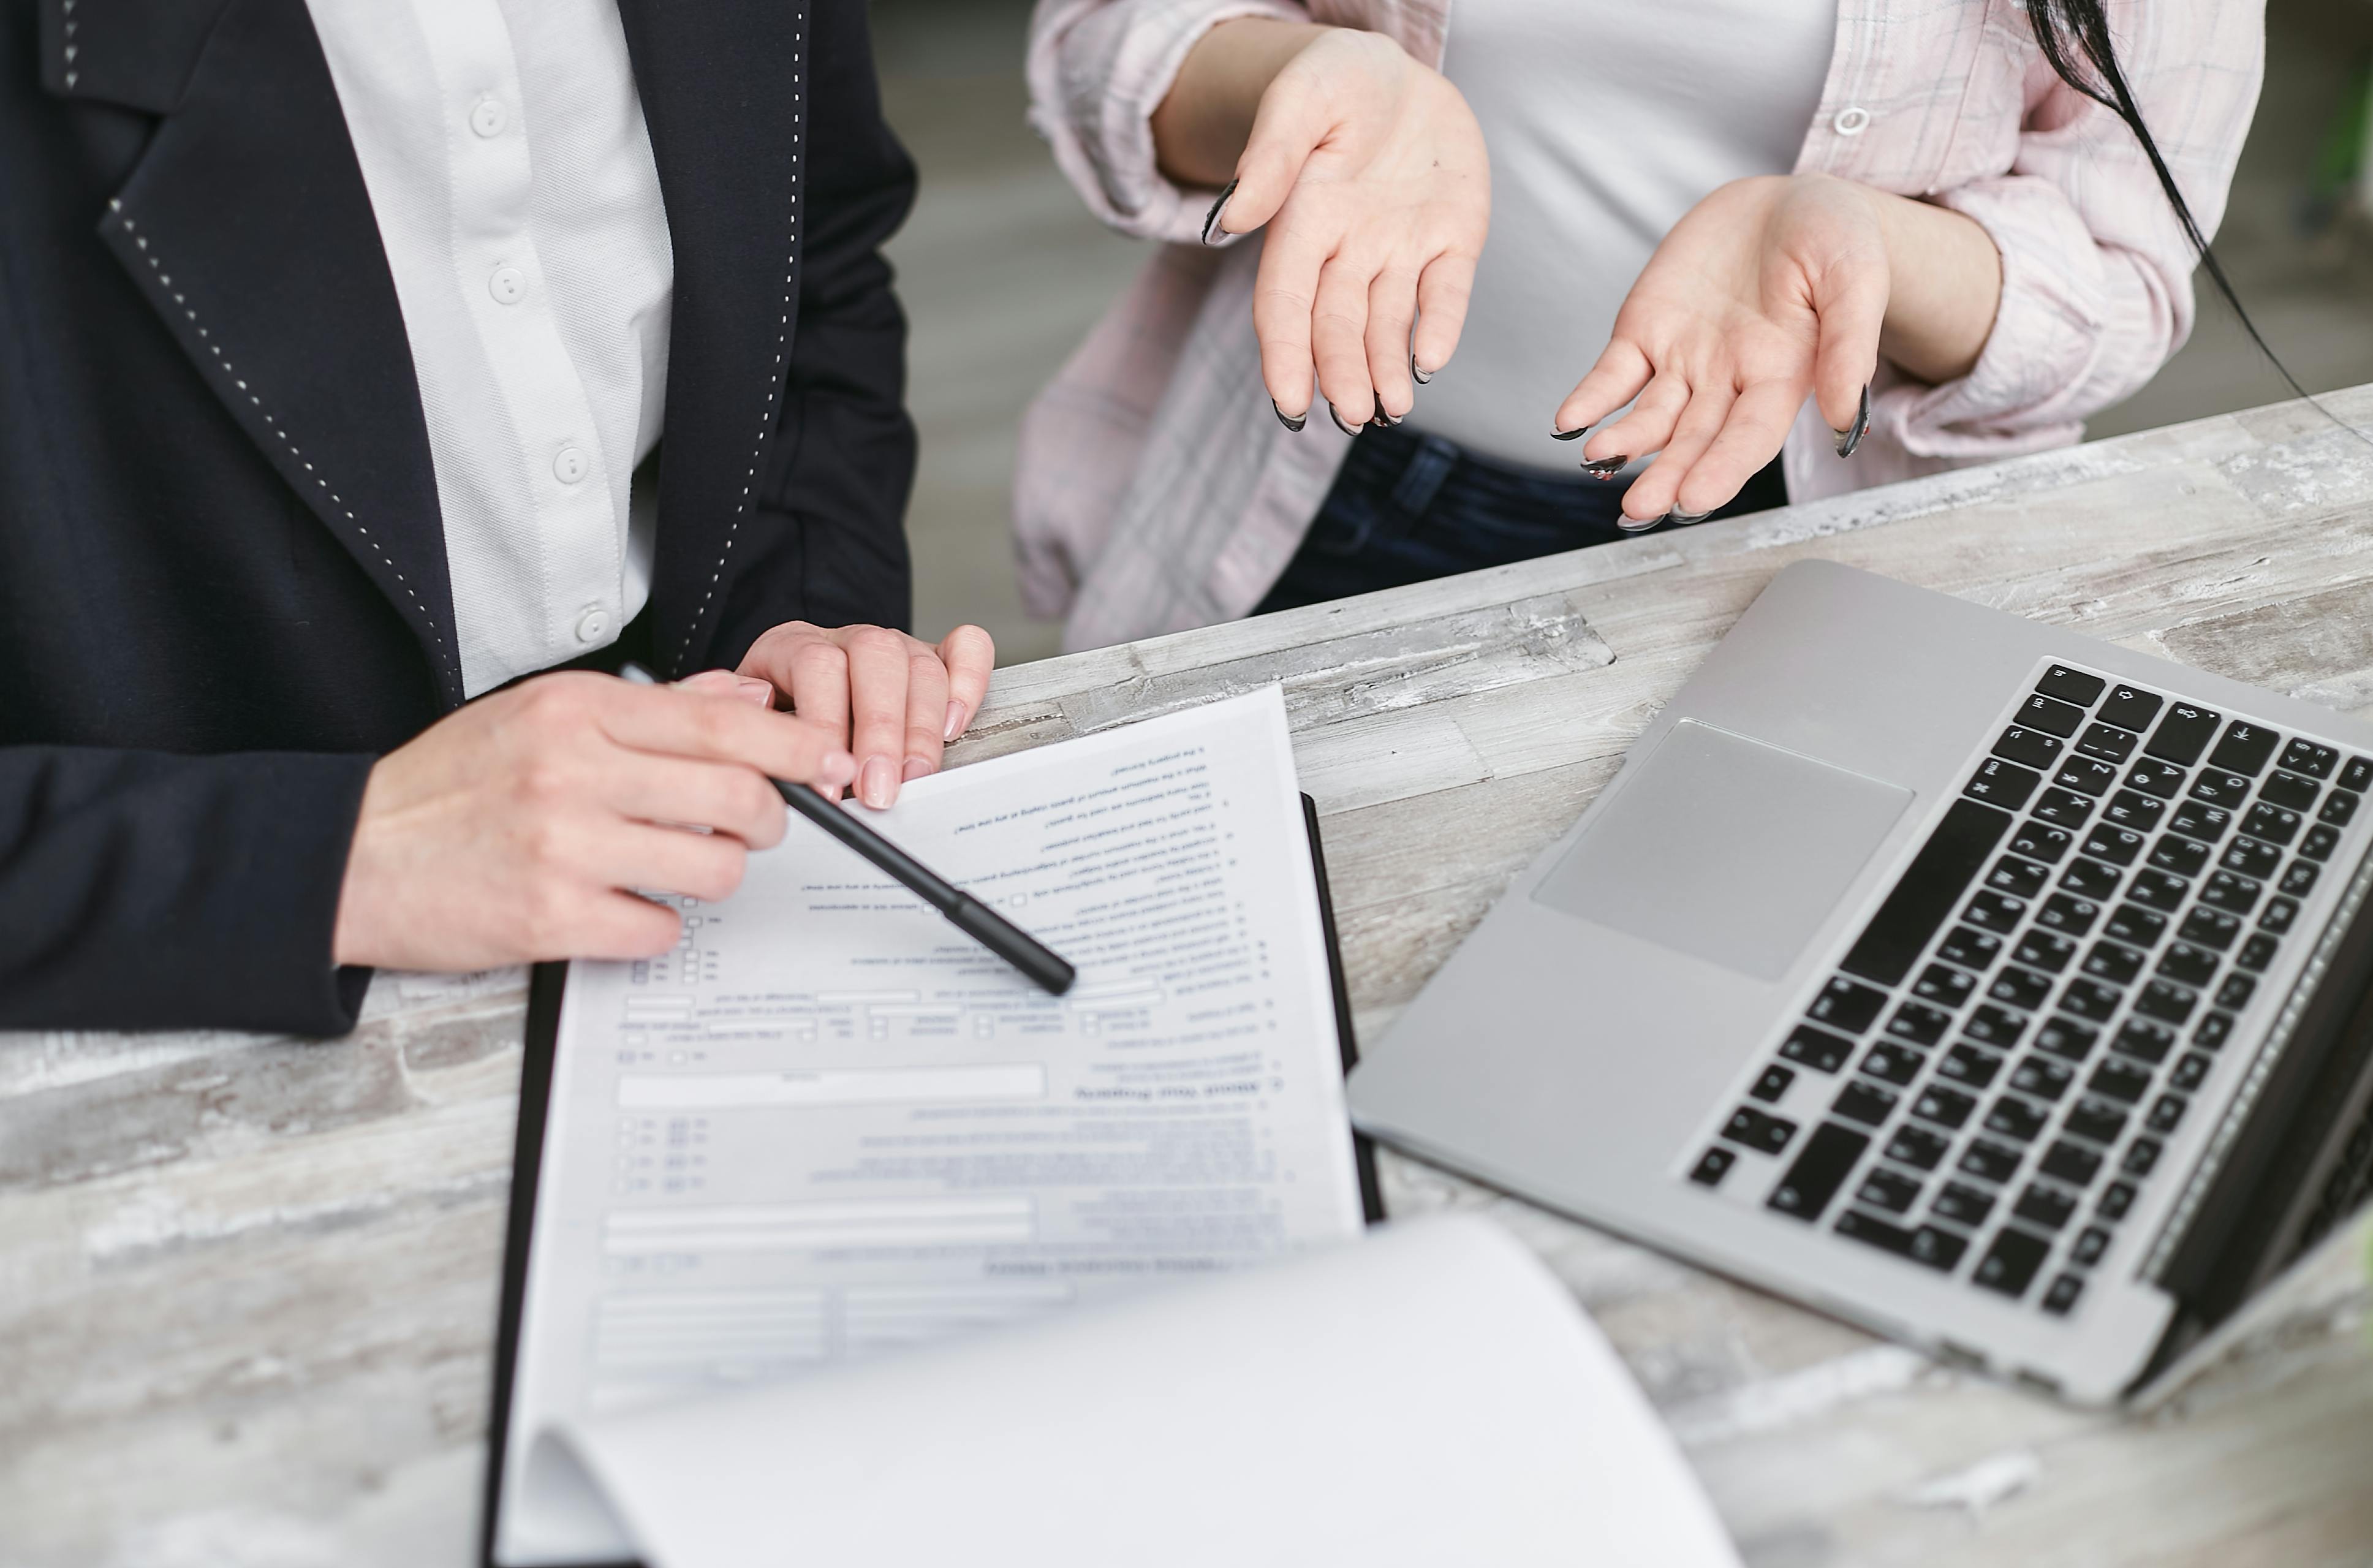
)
(1408, 508)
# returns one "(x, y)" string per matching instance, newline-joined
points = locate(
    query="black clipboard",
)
(545, 987)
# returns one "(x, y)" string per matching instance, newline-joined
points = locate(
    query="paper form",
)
(829, 1125)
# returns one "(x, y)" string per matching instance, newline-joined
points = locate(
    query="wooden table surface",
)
(248, 1284)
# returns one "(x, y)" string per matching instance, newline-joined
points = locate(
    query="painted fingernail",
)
(917, 767)
(836, 769)
(1212, 219)
(877, 785)
(1293, 422)
(1631, 525)
(1852, 435)
(1384, 418)
(1685, 518)
(1606, 467)
(1421, 376)
(753, 690)
(1574, 435)
(956, 719)
(1347, 429)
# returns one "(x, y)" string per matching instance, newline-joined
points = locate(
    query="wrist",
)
(1203, 122)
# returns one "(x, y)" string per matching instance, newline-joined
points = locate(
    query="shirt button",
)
(1851, 121)
(489, 118)
(593, 625)
(508, 286)
(569, 466)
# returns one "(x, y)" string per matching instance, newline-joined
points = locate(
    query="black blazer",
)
(223, 583)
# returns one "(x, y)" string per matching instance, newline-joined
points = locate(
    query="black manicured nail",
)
(1423, 378)
(1851, 437)
(1386, 420)
(1291, 422)
(1685, 518)
(1606, 467)
(1347, 429)
(1212, 219)
(1570, 435)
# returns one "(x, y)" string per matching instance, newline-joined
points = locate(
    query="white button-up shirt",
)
(504, 148)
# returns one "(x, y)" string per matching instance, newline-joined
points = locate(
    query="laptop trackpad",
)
(1725, 849)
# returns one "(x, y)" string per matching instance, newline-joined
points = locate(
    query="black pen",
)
(969, 915)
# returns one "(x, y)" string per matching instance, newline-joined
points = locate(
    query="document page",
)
(828, 1125)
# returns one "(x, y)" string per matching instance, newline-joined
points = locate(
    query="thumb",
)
(1289, 123)
(1850, 304)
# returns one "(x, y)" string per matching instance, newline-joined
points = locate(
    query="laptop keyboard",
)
(1997, 1063)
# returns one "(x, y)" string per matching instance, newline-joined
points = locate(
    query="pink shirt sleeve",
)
(2097, 272)
(1097, 70)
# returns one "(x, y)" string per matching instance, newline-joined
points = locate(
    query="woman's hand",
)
(893, 701)
(1369, 173)
(1770, 288)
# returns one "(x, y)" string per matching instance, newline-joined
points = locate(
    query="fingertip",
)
(958, 716)
(835, 769)
(917, 767)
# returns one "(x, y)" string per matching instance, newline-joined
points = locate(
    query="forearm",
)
(1946, 284)
(1200, 128)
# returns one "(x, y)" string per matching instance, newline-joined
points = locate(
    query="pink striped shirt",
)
(1154, 491)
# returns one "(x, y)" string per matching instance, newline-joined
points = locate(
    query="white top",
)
(504, 148)
(1606, 122)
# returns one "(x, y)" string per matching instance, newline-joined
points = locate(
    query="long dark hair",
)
(2073, 36)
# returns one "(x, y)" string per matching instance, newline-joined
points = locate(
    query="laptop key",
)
(2043, 949)
(1995, 911)
(1987, 1161)
(2142, 1157)
(1945, 1107)
(1845, 1005)
(1817, 1048)
(2314, 760)
(2010, 1117)
(2032, 748)
(1963, 1204)
(2289, 790)
(2090, 999)
(1966, 1064)
(2320, 841)
(1712, 1166)
(2249, 858)
(1864, 1102)
(1957, 848)
(2067, 1038)
(2097, 1119)
(2090, 1243)
(2003, 784)
(2154, 778)
(1926, 1244)
(2071, 1163)
(1944, 985)
(2190, 1071)
(2107, 741)
(2113, 962)
(2130, 808)
(2130, 707)
(2116, 1198)
(2184, 734)
(2357, 775)
(2132, 922)
(2063, 808)
(2298, 881)
(2118, 1079)
(1758, 1130)
(2210, 927)
(2257, 953)
(2341, 809)
(2235, 993)
(2087, 776)
(2048, 713)
(2019, 878)
(2244, 748)
(2089, 879)
(1970, 948)
(2190, 964)
(2119, 846)
(2279, 916)
(2214, 1031)
(1772, 1082)
(2046, 1208)
(1916, 1146)
(2040, 841)
(1919, 1023)
(2042, 1077)
(2143, 1040)
(1820, 1168)
(2071, 686)
(1993, 1025)
(2066, 912)
(2167, 1001)
(2166, 1113)
(1890, 1190)
(2020, 988)
(2220, 788)
(2273, 824)
(2159, 889)
(2225, 891)
(1891, 1063)
(2198, 819)
(2010, 1263)
(2060, 1296)
(2184, 857)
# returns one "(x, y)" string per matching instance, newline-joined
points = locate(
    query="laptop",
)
(2002, 990)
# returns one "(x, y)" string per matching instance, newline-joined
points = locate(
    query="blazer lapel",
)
(724, 96)
(248, 228)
